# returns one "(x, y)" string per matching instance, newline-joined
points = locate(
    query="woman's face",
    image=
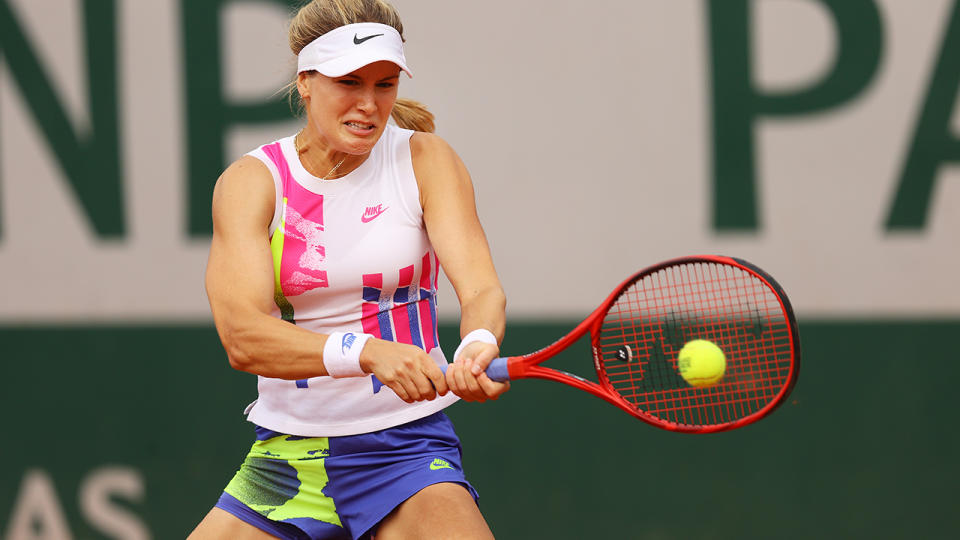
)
(349, 113)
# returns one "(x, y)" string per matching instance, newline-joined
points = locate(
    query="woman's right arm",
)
(240, 288)
(240, 281)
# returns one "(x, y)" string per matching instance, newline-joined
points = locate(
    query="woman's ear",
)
(302, 87)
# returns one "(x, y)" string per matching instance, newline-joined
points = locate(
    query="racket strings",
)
(659, 313)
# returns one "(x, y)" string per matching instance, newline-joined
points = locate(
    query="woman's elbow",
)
(236, 344)
(238, 360)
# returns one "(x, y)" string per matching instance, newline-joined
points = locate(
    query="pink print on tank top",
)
(301, 267)
(303, 255)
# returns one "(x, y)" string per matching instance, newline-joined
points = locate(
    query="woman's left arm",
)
(450, 217)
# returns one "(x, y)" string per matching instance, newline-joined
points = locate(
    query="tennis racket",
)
(638, 331)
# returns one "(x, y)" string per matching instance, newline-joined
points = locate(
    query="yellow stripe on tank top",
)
(276, 247)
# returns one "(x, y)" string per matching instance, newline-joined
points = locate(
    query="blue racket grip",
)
(497, 370)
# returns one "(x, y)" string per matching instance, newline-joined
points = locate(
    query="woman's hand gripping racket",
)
(637, 335)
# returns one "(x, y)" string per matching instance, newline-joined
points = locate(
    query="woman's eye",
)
(385, 85)
(348, 82)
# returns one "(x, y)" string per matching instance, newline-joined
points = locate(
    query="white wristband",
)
(341, 354)
(480, 334)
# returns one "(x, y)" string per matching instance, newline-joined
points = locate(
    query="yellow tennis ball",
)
(701, 363)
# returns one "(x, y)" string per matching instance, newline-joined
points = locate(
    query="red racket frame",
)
(526, 366)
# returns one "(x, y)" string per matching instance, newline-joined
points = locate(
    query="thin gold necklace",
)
(300, 151)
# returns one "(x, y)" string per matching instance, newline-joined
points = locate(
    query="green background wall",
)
(866, 447)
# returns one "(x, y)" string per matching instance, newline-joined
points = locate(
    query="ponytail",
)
(410, 114)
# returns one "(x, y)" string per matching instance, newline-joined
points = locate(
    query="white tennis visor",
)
(349, 48)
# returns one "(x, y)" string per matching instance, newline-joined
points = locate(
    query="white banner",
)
(590, 136)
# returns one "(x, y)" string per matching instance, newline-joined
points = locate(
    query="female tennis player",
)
(322, 281)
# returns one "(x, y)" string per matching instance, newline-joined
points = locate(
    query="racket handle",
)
(497, 370)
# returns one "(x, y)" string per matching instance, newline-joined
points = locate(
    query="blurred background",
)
(819, 139)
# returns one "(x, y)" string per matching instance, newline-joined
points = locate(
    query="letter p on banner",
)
(737, 103)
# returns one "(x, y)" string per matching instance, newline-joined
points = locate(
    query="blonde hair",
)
(318, 17)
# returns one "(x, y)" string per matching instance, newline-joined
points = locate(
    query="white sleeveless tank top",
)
(349, 255)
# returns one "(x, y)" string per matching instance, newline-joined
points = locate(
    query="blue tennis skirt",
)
(341, 487)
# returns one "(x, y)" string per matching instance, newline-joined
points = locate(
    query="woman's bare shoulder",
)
(246, 189)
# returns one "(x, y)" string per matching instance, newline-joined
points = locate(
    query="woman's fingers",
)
(437, 378)
(467, 377)
(484, 355)
(406, 369)
(491, 388)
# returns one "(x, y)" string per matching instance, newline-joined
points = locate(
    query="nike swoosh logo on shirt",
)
(373, 212)
(358, 40)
